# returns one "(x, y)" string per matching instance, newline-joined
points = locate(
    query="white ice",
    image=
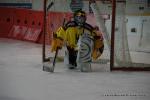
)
(22, 78)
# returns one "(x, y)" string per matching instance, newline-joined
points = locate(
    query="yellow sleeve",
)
(61, 33)
(57, 41)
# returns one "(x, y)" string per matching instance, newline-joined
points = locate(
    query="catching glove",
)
(98, 49)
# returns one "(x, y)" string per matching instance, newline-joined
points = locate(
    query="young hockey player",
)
(81, 40)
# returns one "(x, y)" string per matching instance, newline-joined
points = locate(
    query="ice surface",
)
(22, 78)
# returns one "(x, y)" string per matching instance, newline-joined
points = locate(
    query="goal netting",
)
(122, 55)
(123, 52)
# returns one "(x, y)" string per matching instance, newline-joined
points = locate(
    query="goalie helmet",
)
(80, 17)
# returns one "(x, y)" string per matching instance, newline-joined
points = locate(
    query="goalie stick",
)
(49, 67)
(45, 68)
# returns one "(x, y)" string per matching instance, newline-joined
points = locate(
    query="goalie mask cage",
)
(126, 51)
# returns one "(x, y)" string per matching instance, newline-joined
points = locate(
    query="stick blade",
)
(48, 67)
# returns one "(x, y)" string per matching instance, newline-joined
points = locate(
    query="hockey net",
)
(127, 53)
